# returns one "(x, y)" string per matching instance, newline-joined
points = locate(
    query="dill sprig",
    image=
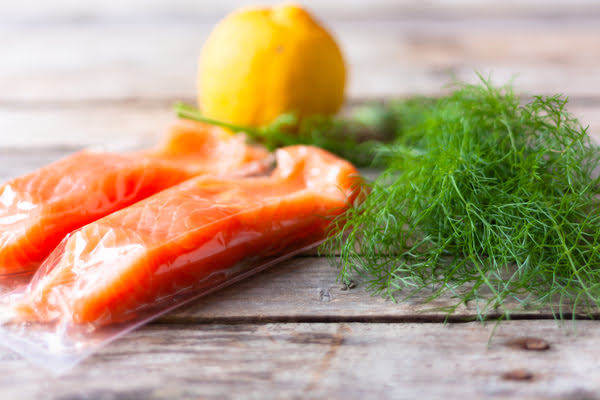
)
(485, 199)
(352, 137)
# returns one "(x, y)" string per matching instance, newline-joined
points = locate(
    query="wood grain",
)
(56, 64)
(334, 360)
(305, 289)
(118, 126)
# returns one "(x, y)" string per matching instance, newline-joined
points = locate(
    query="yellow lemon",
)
(259, 63)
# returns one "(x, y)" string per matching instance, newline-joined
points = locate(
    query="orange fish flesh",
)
(192, 236)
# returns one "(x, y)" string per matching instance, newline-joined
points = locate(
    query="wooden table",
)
(104, 74)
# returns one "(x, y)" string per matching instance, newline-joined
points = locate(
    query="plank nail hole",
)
(529, 343)
(324, 295)
(518, 374)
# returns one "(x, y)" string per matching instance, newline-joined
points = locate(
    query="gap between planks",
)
(384, 319)
(346, 361)
(305, 289)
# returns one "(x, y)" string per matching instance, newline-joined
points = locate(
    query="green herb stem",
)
(186, 111)
(352, 137)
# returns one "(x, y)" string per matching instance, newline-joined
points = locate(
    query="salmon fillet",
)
(37, 210)
(194, 235)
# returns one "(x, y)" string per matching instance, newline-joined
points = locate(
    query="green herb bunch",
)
(483, 198)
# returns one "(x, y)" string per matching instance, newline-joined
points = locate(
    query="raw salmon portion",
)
(192, 236)
(37, 210)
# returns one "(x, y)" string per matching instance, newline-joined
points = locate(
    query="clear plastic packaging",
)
(37, 210)
(123, 270)
(59, 346)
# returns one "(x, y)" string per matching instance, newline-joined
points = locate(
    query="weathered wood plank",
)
(73, 11)
(386, 58)
(110, 126)
(121, 126)
(337, 360)
(18, 162)
(305, 289)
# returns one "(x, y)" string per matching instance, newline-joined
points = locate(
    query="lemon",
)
(259, 63)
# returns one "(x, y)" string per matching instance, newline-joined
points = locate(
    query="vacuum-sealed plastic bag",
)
(37, 210)
(131, 266)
